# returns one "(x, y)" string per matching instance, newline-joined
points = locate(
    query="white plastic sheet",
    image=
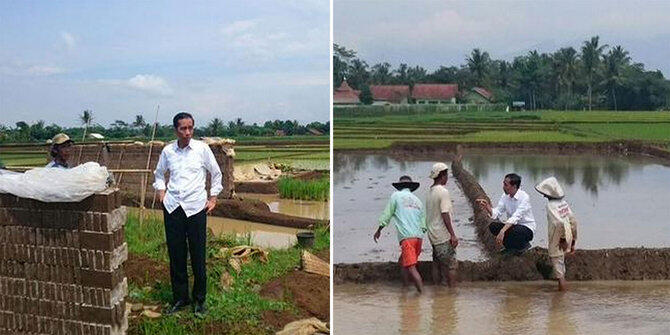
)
(56, 184)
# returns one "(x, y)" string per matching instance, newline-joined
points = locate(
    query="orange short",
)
(411, 249)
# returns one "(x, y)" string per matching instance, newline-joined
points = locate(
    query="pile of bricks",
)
(134, 156)
(61, 266)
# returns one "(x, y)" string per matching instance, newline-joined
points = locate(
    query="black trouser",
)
(178, 230)
(516, 237)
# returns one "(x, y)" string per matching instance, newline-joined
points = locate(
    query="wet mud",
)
(604, 264)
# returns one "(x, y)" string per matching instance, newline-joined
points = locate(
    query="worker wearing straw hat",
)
(185, 209)
(61, 147)
(410, 221)
(441, 234)
(561, 227)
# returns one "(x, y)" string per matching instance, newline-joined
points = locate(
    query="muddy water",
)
(259, 234)
(619, 202)
(504, 308)
(319, 210)
(362, 186)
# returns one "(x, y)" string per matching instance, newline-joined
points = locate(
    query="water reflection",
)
(560, 321)
(444, 316)
(592, 172)
(410, 312)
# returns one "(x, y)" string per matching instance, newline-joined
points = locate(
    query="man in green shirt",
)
(410, 221)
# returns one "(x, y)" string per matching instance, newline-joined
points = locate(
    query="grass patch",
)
(291, 188)
(367, 130)
(234, 310)
(24, 159)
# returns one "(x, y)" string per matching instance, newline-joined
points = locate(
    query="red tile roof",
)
(346, 95)
(483, 92)
(390, 93)
(434, 91)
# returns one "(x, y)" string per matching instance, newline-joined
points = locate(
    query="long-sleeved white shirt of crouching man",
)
(187, 167)
(561, 223)
(516, 208)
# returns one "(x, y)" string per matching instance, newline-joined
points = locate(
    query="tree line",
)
(593, 76)
(140, 129)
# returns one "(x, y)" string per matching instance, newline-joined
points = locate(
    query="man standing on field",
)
(185, 209)
(440, 230)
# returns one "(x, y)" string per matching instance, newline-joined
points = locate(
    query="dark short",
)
(445, 255)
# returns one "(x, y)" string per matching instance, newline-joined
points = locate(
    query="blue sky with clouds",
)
(257, 60)
(434, 33)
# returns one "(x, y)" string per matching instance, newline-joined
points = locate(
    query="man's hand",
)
(378, 233)
(211, 203)
(161, 195)
(485, 205)
(500, 238)
(453, 241)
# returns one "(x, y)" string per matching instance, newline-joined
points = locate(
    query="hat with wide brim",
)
(406, 182)
(551, 188)
(60, 139)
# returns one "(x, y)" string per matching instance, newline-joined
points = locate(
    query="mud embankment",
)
(420, 150)
(474, 191)
(241, 209)
(603, 264)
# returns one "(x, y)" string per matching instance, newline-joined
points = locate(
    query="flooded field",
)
(259, 234)
(610, 307)
(319, 210)
(362, 186)
(605, 192)
(619, 201)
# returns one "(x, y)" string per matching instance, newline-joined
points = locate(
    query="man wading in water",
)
(410, 221)
(440, 231)
(561, 227)
(517, 232)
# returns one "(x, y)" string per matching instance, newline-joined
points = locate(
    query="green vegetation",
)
(291, 188)
(591, 76)
(355, 129)
(233, 310)
(24, 159)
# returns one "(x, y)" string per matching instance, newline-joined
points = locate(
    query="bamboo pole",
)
(144, 176)
(83, 137)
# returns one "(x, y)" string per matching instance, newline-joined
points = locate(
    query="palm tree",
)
(478, 63)
(614, 61)
(139, 122)
(215, 127)
(591, 53)
(86, 117)
(566, 66)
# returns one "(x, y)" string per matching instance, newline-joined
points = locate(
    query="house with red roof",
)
(435, 93)
(389, 94)
(478, 95)
(345, 95)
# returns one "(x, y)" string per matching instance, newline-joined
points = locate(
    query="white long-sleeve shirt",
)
(187, 167)
(516, 208)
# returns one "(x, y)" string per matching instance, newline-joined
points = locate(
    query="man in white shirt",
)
(440, 230)
(516, 232)
(185, 209)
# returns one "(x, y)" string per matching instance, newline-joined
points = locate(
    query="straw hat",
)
(406, 182)
(551, 188)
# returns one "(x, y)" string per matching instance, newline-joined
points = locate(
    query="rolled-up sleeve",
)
(213, 167)
(159, 173)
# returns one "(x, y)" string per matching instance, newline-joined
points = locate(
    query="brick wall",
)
(61, 266)
(134, 156)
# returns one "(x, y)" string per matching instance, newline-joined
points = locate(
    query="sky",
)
(434, 33)
(257, 60)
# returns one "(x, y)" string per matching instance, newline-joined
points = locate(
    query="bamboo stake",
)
(144, 176)
(83, 137)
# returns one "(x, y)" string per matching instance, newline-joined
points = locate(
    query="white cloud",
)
(267, 39)
(69, 39)
(149, 83)
(21, 69)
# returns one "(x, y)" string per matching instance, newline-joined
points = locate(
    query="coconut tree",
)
(566, 66)
(86, 117)
(139, 122)
(591, 54)
(478, 63)
(215, 127)
(614, 61)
